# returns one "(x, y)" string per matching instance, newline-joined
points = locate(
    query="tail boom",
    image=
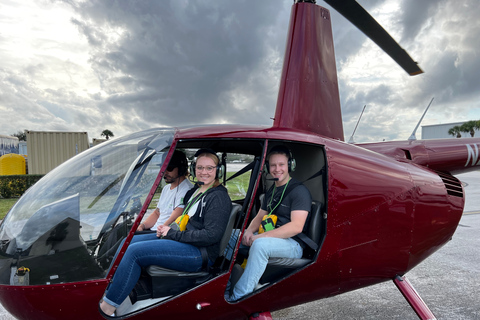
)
(452, 156)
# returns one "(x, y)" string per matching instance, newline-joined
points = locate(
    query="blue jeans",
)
(146, 250)
(260, 251)
(136, 238)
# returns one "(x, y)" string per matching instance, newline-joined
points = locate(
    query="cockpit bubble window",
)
(64, 224)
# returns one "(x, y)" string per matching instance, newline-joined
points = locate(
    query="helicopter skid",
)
(413, 298)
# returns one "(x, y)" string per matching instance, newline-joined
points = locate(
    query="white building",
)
(440, 131)
(8, 144)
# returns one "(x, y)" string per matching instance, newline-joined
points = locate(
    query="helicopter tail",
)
(308, 98)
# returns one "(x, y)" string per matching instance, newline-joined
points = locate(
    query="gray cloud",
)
(175, 63)
(416, 15)
(171, 62)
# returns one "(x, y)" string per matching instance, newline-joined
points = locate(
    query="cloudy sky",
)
(125, 65)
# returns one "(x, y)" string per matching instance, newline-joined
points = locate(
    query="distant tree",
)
(477, 125)
(455, 131)
(469, 127)
(20, 135)
(107, 134)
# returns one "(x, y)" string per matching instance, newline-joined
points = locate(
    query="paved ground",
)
(448, 281)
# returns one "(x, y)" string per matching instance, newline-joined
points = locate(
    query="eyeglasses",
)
(209, 169)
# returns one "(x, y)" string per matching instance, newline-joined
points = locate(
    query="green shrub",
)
(14, 186)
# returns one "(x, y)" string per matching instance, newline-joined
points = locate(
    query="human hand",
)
(247, 239)
(162, 231)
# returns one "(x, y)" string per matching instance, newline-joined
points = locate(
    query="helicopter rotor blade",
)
(357, 15)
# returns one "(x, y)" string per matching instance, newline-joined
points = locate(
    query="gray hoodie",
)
(207, 226)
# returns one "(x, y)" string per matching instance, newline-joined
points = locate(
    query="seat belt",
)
(242, 171)
(204, 253)
(315, 175)
(309, 242)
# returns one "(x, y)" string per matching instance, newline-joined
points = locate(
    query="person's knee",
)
(260, 247)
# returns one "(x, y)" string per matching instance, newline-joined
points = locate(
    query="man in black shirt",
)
(291, 206)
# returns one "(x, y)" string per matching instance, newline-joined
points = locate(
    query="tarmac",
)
(447, 281)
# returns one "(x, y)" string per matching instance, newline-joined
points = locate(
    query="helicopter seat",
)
(159, 282)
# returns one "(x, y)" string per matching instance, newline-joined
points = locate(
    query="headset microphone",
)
(273, 179)
(192, 180)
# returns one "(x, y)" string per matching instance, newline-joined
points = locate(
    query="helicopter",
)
(378, 209)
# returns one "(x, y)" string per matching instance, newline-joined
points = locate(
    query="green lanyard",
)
(191, 203)
(281, 198)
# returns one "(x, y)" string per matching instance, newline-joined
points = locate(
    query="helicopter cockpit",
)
(65, 227)
(70, 225)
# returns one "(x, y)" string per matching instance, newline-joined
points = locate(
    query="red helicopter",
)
(379, 209)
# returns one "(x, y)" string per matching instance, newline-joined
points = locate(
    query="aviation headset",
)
(219, 170)
(178, 160)
(280, 149)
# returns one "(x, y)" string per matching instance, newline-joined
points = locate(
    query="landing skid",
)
(413, 298)
(261, 316)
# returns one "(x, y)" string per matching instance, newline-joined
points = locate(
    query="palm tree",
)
(21, 135)
(468, 127)
(477, 125)
(455, 131)
(107, 134)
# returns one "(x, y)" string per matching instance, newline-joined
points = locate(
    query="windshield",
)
(81, 210)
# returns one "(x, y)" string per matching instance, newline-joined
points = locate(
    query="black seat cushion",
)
(167, 282)
(279, 267)
(157, 271)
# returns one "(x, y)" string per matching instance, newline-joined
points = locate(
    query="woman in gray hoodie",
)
(208, 206)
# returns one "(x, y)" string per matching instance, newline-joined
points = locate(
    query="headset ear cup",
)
(292, 164)
(220, 171)
(192, 169)
(181, 170)
(267, 167)
(184, 167)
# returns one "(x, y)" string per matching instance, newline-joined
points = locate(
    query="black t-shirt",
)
(298, 198)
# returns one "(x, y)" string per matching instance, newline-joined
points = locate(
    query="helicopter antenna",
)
(351, 138)
(413, 137)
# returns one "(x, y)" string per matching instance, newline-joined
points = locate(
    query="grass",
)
(5, 205)
(237, 188)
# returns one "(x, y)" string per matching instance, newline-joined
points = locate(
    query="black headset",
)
(292, 164)
(220, 170)
(178, 160)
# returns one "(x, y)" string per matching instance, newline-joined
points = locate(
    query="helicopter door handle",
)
(202, 305)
